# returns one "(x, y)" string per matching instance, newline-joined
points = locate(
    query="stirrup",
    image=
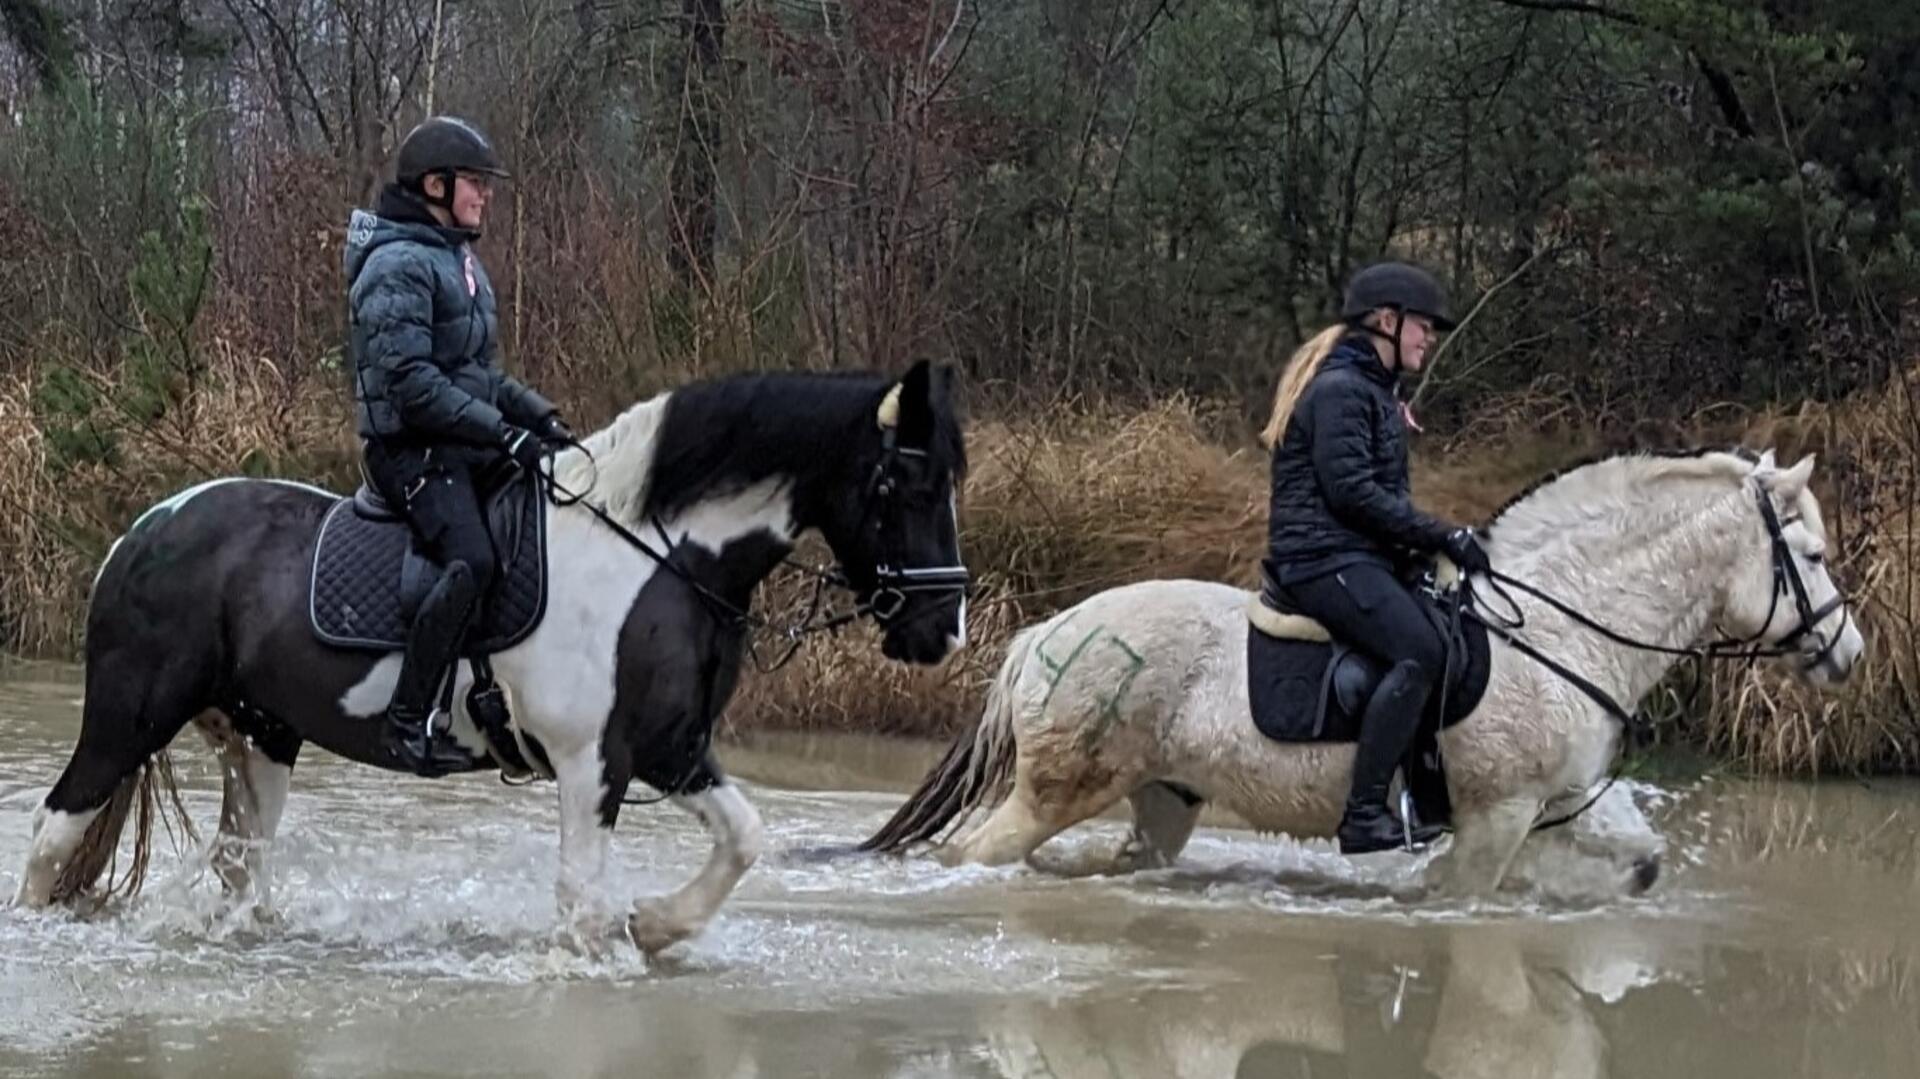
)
(1409, 841)
(418, 751)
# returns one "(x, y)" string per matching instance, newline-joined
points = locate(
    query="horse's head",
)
(1781, 595)
(894, 527)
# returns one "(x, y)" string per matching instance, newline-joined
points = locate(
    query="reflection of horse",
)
(1147, 697)
(1483, 1010)
(204, 607)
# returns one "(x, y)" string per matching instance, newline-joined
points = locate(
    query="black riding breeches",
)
(1366, 607)
(435, 491)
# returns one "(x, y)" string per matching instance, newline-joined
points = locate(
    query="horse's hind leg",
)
(126, 719)
(738, 839)
(1163, 821)
(256, 766)
(1025, 820)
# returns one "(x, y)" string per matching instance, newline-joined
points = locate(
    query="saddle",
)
(369, 574)
(1304, 686)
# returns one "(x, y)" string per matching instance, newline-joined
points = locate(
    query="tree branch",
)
(1575, 7)
(41, 33)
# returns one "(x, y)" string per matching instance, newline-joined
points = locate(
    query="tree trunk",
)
(692, 219)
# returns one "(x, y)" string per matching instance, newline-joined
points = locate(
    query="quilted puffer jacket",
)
(423, 334)
(1340, 489)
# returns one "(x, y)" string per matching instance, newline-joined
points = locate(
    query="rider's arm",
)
(522, 403)
(397, 310)
(1342, 430)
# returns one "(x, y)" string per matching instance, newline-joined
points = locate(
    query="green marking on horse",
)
(1057, 672)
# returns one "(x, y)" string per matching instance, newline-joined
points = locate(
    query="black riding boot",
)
(432, 646)
(1387, 728)
(1426, 785)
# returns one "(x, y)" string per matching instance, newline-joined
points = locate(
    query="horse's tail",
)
(150, 792)
(976, 771)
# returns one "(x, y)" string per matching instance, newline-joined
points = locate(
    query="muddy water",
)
(414, 936)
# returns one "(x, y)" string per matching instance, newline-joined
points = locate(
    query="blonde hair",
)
(1301, 368)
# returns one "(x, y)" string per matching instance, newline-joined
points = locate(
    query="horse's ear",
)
(916, 409)
(1794, 480)
(1787, 484)
(1765, 464)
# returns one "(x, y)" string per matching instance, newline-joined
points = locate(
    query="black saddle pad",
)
(368, 579)
(1316, 691)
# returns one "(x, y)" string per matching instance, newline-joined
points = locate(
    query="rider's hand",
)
(522, 445)
(554, 431)
(1465, 550)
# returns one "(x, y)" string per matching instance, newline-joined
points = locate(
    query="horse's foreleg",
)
(584, 833)
(1485, 841)
(738, 839)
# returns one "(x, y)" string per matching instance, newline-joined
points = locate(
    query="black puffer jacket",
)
(1340, 490)
(423, 332)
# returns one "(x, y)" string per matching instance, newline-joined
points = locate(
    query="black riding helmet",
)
(1398, 285)
(444, 145)
(1405, 288)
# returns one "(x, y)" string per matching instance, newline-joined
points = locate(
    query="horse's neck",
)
(732, 541)
(1652, 580)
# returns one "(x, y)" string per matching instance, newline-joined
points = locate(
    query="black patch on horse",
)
(368, 578)
(1316, 691)
(779, 424)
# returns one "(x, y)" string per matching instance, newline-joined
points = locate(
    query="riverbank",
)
(1060, 505)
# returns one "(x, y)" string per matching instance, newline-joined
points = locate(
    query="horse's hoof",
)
(1645, 871)
(652, 931)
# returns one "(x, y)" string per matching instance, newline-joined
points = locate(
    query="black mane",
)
(733, 431)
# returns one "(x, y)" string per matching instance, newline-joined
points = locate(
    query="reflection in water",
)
(1473, 1009)
(1781, 946)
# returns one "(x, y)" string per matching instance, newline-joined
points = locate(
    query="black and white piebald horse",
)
(201, 613)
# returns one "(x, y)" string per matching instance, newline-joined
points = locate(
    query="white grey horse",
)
(1140, 692)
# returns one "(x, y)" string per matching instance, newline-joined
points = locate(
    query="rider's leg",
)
(1367, 607)
(444, 511)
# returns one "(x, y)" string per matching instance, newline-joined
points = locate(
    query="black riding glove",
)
(554, 432)
(523, 446)
(1465, 550)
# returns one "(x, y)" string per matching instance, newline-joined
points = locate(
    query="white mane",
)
(1636, 493)
(621, 471)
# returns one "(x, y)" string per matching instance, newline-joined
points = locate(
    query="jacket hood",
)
(399, 215)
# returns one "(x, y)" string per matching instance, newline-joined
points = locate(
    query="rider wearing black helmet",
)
(1341, 516)
(434, 406)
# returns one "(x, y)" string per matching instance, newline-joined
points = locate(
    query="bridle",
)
(892, 582)
(1786, 579)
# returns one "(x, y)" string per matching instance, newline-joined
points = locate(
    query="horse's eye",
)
(1816, 557)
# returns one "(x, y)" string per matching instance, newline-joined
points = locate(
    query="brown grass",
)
(1058, 507)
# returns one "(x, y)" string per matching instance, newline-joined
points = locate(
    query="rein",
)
(884, 602)
(1786, 580)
